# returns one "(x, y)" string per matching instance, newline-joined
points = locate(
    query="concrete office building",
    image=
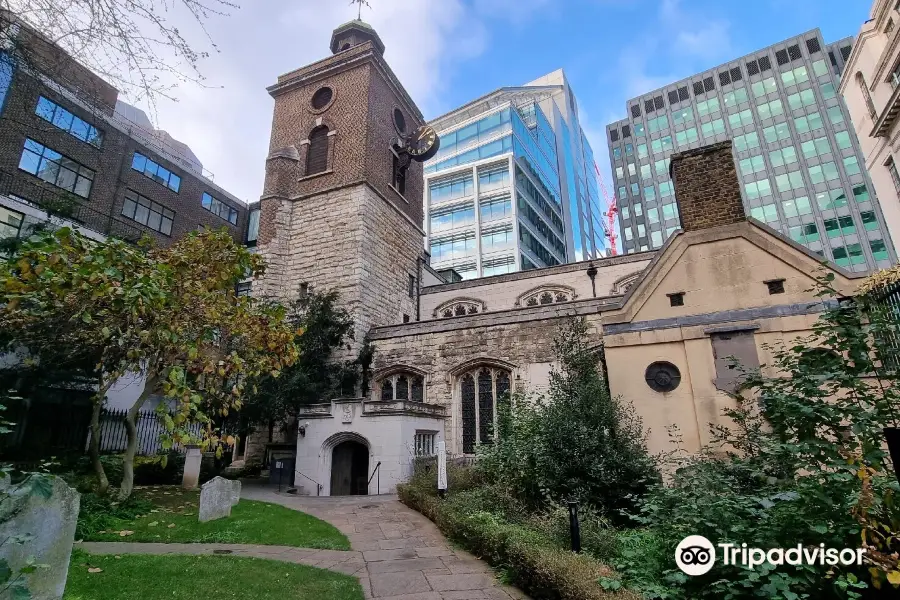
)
(513, 186)
(801, 168)
(871, 91)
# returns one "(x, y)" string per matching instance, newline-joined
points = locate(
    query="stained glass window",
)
(417, 390)
(402, 388)
(387, 390)
(485, 406)
(468, 414)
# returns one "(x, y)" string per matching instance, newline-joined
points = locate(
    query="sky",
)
(449, 52)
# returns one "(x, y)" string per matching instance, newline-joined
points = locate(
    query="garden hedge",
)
(531, 561)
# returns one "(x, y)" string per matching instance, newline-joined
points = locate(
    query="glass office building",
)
(799, 162)
(512, 187)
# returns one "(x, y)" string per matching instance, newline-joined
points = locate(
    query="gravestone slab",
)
(192, 461)
(51, 524)
(235, 492)
(216, 499)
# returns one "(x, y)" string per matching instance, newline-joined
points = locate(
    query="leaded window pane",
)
(402, 388)
(387, 390)
(468, 414)
(485, 405)
(418, 389)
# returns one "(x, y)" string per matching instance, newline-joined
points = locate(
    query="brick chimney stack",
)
(707, 189)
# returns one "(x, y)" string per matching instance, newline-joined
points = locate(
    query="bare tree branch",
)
(135, 45)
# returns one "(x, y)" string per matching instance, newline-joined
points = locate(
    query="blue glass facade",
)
(543, 209)
(506, 235)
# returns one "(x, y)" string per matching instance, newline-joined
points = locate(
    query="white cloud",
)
(227, 125)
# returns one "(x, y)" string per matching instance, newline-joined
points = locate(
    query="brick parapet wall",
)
(707, 189)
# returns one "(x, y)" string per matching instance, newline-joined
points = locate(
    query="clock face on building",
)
(423, 143)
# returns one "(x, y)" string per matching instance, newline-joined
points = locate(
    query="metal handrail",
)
(377, 470)
(318, 485)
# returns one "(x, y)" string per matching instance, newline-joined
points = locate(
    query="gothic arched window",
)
(317, 154)
(481, 392)
(403, 386)
(387, 389)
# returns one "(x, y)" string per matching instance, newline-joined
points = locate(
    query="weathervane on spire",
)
(361, 3)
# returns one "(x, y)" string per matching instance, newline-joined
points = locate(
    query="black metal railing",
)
(114, 435)
(376, 471)
(887, 302)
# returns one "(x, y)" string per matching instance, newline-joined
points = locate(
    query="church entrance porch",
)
(349, 469)
(340, 443)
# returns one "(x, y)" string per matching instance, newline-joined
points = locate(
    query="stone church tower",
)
(333, 214)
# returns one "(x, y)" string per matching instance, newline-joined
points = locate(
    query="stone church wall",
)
(524, 344)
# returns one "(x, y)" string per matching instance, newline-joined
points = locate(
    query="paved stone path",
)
(397, 553)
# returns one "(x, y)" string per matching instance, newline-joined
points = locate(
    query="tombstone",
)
(192, 461)
(51, 524)
(442, 469)
(216, 499)
(235, 492)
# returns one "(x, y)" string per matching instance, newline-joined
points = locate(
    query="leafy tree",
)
(316, 376)
(803, 462)
(171, 315)
(576, 443)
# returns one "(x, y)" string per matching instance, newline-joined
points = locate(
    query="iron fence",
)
(887, 301)
(114, 435)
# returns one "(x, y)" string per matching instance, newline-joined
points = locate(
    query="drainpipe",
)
(592, 273)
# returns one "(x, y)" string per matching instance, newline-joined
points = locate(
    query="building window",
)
(895, 176)
(894, 77)
(10, 223)
(398, 174)
(424, 442)
(317, 152)
(149, 213)
(220, 209)
(776, 286)
(481, 391)
(676, 299)
(56, 169)
(322, 97)
(412, 286)
(403, 386)
(60, 117)
(156, 172)
(244, 288)
(253, 227)
(662, 377)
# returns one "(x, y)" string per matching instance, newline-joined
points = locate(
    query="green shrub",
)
(159, 469)
(576, 442)
(97, 514)
(529, 558)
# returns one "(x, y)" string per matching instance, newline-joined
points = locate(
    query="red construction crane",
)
(611, 211)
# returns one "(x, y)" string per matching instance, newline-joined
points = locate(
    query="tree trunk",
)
(102, 481)
(96, 410)
(131, 429)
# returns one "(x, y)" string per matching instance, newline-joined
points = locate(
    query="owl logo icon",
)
(695, 555)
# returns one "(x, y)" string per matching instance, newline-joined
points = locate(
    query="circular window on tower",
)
(399, 121)
(322, 98)
(662, 376)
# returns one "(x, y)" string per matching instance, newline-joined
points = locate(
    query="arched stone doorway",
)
(349, 469)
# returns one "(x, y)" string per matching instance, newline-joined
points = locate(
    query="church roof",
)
(358, 25)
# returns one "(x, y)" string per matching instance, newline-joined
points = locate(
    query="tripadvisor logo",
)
(696, 555)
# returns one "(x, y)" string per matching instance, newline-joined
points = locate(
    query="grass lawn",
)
(174, 519)
(136, 577)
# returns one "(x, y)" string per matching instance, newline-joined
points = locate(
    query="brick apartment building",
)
(69, 147)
